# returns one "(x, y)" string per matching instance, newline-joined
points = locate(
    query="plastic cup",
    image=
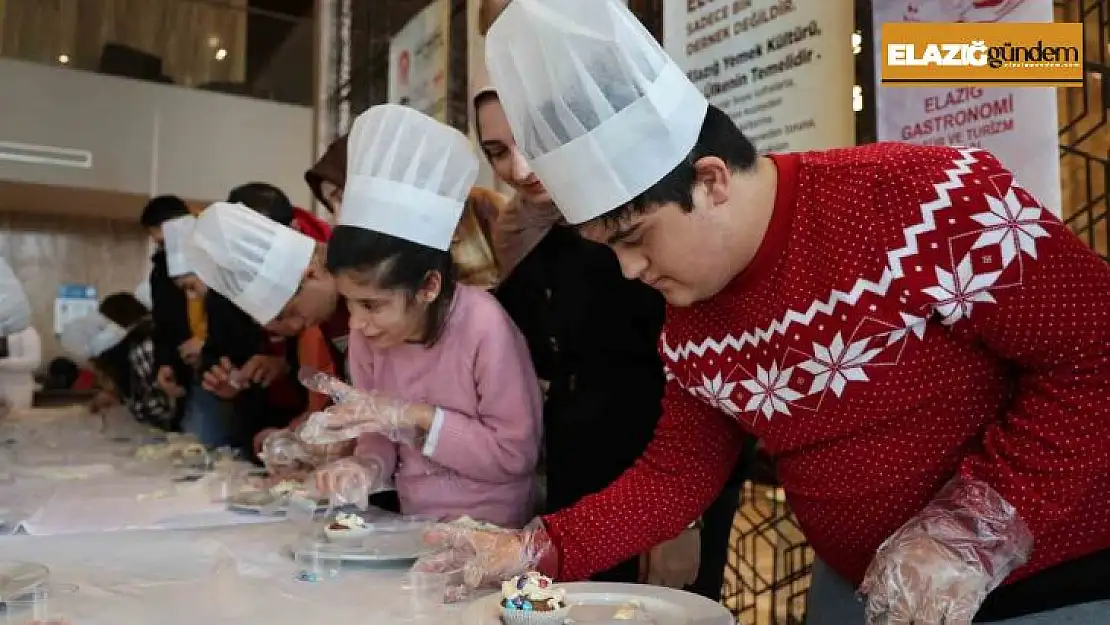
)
(315, 563)
(425, 591)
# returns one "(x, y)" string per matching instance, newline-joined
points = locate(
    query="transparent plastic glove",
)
(349, 481)
(938, 568)
(675, 563)
(355, 412)
(283, 452)
(486, 557)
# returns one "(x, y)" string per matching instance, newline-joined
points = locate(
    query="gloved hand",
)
(356, 412)
(939, 566)
(486, 557)
(675, 563)
(283, 452)
(349, 481)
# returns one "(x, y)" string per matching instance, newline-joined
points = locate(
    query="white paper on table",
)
(131, 504)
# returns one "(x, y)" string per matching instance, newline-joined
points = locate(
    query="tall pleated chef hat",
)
(408, 176)
(90, 336)
(176, 233)
(15, 312)
(253, 261)
(595, 104)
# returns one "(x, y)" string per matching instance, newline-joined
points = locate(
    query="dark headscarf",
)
(332, 167)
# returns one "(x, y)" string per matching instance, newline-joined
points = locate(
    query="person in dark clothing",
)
(593, 336)
(130, 366)
(170, 310)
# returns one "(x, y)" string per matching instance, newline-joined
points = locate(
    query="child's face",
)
(386, 317)
(312, 304)
(193, 286)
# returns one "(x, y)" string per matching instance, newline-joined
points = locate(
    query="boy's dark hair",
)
(395, 264)
(265, 199)
(123, 309)
(162, 209)
(719, 137)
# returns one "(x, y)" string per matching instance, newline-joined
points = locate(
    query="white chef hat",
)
(176, 233)
(253, 261)
(15, 312)
(90, 336)
(407, 176)
(595, 104)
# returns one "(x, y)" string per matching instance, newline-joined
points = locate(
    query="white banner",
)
(1018, 125)
(419, 58)
(783, 69)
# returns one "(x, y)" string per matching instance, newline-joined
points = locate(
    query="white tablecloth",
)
(211, 576)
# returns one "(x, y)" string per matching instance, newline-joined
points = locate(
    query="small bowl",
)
(348, 537)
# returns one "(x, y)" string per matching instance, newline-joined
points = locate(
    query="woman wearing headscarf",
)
(593, 337)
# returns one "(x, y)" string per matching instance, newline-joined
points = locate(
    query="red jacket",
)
(311, 225)
(911, 315)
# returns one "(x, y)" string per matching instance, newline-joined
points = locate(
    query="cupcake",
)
(533, 599)
(347, 529)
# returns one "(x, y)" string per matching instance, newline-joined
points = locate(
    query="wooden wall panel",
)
(184, 34)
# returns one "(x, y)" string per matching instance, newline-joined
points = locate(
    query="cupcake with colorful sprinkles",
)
(533, 599)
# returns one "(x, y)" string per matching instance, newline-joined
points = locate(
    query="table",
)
(210, 576)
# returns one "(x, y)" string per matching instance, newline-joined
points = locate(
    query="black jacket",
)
(171, 320)
(593, 335)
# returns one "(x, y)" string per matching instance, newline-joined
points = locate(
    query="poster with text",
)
(418, 61)
(1016, 124)
(782, 69)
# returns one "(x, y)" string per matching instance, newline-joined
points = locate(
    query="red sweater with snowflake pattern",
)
(912, 314)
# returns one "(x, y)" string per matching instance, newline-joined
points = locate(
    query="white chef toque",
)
(90, 336)
(15, 312)
(253, 261)
(595, 104)
(176, 232)
(408, 176)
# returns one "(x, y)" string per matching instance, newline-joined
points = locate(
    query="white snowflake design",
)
(834, 366)
(770, 391)
(913, 325)
(1010, 225)
(957, 294)
(718, 393)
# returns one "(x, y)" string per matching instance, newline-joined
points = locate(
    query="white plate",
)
(378, 548)
(665, 605)
(16, 578)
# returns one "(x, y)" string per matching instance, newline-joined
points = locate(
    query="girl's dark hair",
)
(123, 309)
(395, 264)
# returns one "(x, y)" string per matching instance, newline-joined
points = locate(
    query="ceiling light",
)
(221, 54)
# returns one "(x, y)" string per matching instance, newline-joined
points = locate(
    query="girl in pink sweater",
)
(446, 403)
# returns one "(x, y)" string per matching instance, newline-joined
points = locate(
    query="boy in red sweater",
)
(922, 346)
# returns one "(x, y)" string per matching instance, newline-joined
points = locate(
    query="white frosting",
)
(536, 588)
(349, 521)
